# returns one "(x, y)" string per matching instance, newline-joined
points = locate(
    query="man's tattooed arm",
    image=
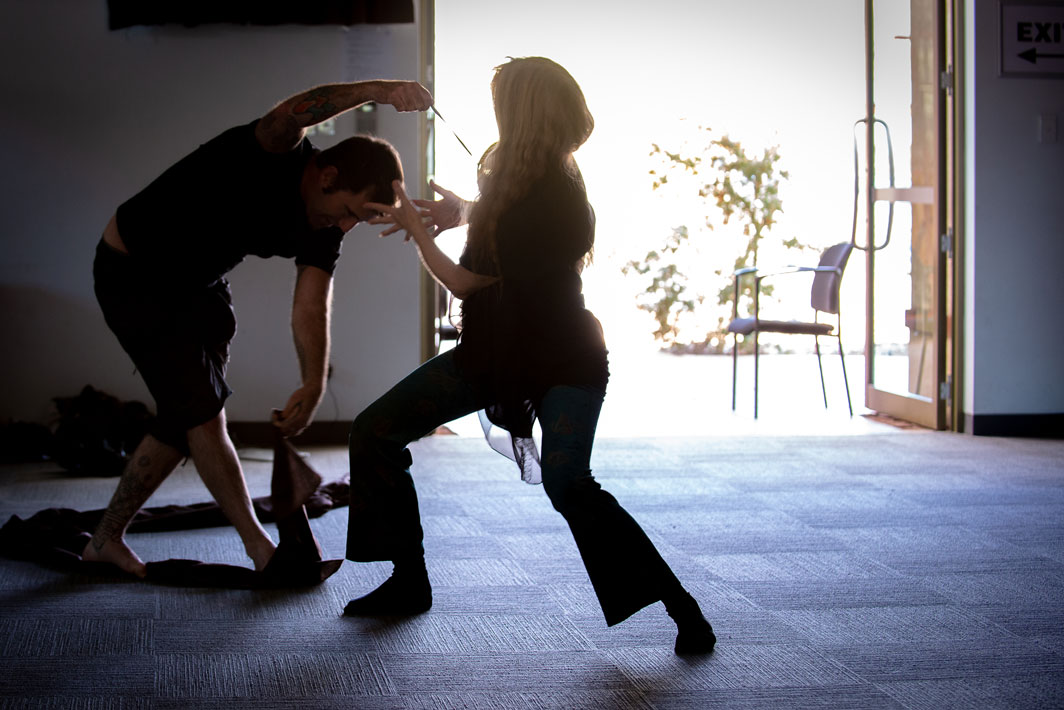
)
(285, 125)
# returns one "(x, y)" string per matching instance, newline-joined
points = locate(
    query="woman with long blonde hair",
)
(528, 349)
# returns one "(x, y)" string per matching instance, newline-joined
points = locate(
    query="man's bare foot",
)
(115, 552)
(261, 554)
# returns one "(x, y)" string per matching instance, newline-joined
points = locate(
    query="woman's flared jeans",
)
(625, 568)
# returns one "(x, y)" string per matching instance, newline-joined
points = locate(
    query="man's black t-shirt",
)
(227, 199)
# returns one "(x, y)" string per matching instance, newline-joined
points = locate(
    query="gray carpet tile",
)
(917, 542)
(575, 700)
(718, 597)
(304, 675)
(839, 593)
(94, 637)
(478, 572)
(452, 526)
(462, 701)
(850, 508)
(560, 700)
(548, 572)
(469, 634)
(727, 500)
(739, 531)
(505, 600)
(776, 476)
(275, 702)
(1039, 536)
(22, 576)
(833, 698)
(1037, 690)
(554, 545)
(892, 625)
(650, 627)
(497, 512)
(672, 486)
(622, 460)
(794, 566)
(1042, 624)
(725, 453)
(179, 604)
(460, 547)
(538, 672)
(992, 494)
(66, 676)
(124, 599)
(910, 484)
(910, 570)
(81, 702)
(1002, 657)
(1004, 586)
(576, 598)
(753, 627)
(735, 665)
(217, 545)
(245, 636)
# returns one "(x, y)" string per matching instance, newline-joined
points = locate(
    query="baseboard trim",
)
(1039, 426)
(260, 434)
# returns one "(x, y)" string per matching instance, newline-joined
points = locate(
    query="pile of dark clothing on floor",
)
(94, 435)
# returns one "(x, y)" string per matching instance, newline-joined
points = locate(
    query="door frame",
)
(938, 411)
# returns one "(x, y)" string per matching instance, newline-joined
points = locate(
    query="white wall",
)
(89, 116)
(1015, 234)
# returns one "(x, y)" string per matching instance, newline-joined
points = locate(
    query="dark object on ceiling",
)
(190, 13)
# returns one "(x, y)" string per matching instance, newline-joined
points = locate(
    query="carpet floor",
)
(913, 570)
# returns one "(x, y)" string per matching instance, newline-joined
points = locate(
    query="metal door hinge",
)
(945, 80)
(945, 389)
(945, 243)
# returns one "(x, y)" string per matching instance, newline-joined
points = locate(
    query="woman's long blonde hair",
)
(543, 118)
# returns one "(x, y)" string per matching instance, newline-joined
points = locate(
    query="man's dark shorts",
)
(178, 339)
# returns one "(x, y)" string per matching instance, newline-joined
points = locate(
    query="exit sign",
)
(1032, 40)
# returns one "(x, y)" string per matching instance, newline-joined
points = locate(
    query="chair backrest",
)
(825, 295)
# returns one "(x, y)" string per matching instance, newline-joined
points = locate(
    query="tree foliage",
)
(736, 188)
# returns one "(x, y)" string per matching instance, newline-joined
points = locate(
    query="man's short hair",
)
(364, 162)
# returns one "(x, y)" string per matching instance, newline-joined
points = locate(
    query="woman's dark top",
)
(530, 330)
(224, 201)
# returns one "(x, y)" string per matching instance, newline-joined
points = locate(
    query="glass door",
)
(906, 240)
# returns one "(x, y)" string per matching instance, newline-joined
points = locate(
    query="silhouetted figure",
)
(262, 189)
(527, 349)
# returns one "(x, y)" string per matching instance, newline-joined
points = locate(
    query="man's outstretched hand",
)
(298, 413)
(402, 95)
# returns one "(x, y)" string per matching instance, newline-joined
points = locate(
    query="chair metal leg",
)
(734, 366)
(757, 353)
(845, 380)
(820, 366)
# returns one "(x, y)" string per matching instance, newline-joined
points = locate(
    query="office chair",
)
(824, 298)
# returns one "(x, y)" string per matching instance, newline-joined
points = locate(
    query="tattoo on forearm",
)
(317, 103)
(279, 127)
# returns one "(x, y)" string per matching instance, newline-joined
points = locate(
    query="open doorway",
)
(768, 73)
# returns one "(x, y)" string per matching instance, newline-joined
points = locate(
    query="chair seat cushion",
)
(746, 326)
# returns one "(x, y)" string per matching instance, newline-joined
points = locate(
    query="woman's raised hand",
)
(447, 212)
(435, 215)
(403, 215)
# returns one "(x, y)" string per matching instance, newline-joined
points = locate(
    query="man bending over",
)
(263, 189)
